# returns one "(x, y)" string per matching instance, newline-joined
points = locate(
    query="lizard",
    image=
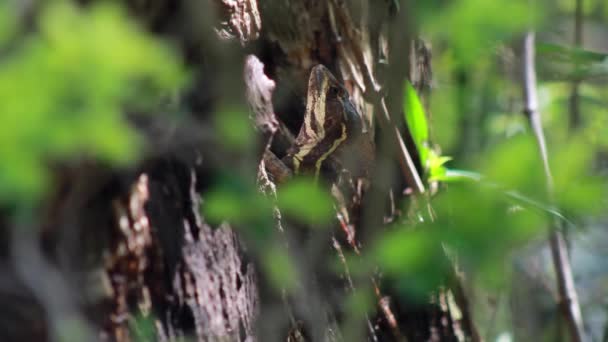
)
(329, 135)
(331, 121)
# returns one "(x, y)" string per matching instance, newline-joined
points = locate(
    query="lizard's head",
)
(329, 106)
(330, 120)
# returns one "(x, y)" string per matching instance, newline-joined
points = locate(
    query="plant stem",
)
(567, 296)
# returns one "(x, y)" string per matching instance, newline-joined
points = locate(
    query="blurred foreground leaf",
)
(474, 27)
(235, 200)
(8, 21)
(413, 257)
(578, 190)
(306, 201)
(279, 268)
(235, 128)
(63, 88)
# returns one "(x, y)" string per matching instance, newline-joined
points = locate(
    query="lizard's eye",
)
(333, 91)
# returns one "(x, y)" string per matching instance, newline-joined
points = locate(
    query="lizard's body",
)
(330, 121)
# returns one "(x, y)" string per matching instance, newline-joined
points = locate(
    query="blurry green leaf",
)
(469, 219)
(563, 53)
(63, 90)
(414, 257)
(359, 304)
(531, 203)
(588, 6)
(416, 120)
(444, 103)
(565, 63)
(458, 176)
(279, 268)
(235, 128)
(8, 21)
(235, 200)
(306, 201)
(474, 27)
(142, 328)
(577, 190)
(516, 165)
(225, 205)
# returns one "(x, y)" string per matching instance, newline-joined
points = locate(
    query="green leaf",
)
(8, 21)
(416, 120)
(564, 53)
(459, 176)
(279, 268)
(235, 128)
(414, 256)
(435, 165)
(306, 201)
(566, 63)
(236, 200)
(64, 87)
(475, 27)
(454, 175)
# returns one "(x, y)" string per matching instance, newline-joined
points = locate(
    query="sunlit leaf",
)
(416, 120)
(454, 175)
(436, 166)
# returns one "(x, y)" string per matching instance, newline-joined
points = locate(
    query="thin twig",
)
(568, 298)
(575, 115)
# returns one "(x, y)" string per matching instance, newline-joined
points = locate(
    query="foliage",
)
(475, 115)
(305, 200)
(564, 63)
(240, 202)
(416, 120)
(235, 132)
(475, 26)
(64, 87)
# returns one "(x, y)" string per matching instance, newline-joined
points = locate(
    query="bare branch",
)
(568, 298)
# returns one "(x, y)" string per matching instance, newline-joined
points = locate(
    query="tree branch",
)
(568, 299)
